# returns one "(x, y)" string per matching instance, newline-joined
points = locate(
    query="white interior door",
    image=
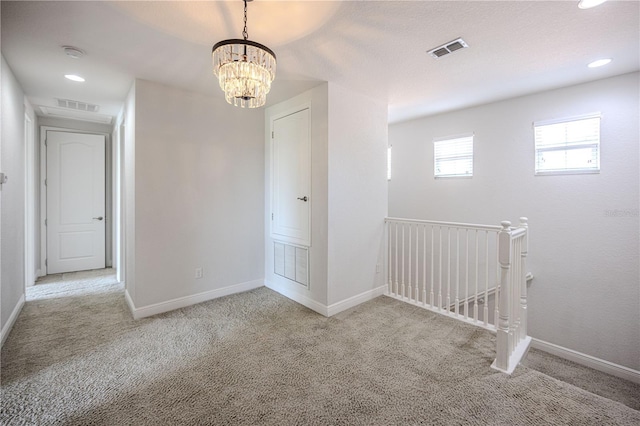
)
(75, 202)
(291, 184)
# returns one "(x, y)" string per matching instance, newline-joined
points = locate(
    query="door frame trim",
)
(30, 273)
(43, 189)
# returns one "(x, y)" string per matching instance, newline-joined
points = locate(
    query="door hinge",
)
(46, 263)
(45, 222)
(45, 182)
(271, 216)
(45, 142)
(272, 133)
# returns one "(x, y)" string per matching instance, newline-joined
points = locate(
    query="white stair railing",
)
(460, 270)
(512, 341)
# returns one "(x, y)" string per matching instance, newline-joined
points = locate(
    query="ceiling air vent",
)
(447, 48)
(77, 105)
(74, 114)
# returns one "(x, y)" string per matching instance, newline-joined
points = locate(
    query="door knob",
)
(99, 218)
(303, 198)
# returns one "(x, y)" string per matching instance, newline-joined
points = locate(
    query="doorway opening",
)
(75, 201)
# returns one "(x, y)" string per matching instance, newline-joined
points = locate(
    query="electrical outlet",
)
(199, 273)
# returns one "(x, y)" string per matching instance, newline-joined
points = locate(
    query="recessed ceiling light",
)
(599, 63)
(588, 4)
(74, 77)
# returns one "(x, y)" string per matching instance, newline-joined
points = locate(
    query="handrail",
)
(517, 232)
(449, 224)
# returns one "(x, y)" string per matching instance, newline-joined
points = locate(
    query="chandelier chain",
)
(245, 34)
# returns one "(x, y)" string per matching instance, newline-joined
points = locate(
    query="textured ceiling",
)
(375, 47)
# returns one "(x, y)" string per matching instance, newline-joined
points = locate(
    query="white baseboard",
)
(130, 304)
(299, 298)
(12, 319)
(588, 361)
(343, 305)
(325, 310)
(182, 302)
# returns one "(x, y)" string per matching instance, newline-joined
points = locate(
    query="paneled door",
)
(291, 178)
(75, 202)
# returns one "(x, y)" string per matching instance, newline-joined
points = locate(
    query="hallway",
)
(72, 284)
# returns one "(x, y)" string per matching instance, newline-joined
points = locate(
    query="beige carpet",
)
(76, 357)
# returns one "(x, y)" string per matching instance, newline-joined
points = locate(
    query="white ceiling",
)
(375, 47)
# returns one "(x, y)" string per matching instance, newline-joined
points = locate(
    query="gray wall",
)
(199, 194)
(586, 293)
(12, 215)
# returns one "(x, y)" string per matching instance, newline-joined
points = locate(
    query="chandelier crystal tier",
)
(245, 69)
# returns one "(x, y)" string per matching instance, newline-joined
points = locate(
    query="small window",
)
(389, 163)
(453, 157)
(568, 145)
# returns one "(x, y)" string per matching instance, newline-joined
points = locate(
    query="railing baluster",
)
(403, 267)
(388, 270)
(511, 316)
(417, 281)
(440, 269)
(518, 260)
(496, 296)
(410, 247)
(466, 277)
(475, 297)
(396, 268)
(448, 305)
(431, 293)
(424, 265)
(486, 278)
(457, 271)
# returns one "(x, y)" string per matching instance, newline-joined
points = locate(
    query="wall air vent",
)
(77, 105)
(447, 48)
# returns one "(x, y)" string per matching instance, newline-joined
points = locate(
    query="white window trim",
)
(453, 137)
(566, 120)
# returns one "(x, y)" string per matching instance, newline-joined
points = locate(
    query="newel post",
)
(502, 333)
(523, 279)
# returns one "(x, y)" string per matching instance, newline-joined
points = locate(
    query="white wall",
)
(32, 213)
(357, 193)
(316, 293)
(199, 195)
(129, 195)
(586, 292)
(12, 214)
(349, 198)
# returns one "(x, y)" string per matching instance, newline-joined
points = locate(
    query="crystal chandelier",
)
(245, 69)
